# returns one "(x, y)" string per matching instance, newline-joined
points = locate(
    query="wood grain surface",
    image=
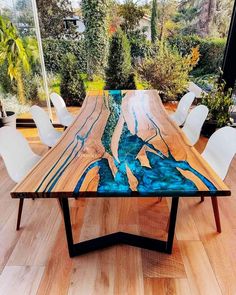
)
(122, 143)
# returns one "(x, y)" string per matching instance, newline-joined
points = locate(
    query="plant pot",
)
(233, 116)
(10, 120)
(209, 127)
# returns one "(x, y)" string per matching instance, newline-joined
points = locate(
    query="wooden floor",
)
(35, 259)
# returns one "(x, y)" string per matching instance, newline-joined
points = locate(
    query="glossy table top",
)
(122, 143)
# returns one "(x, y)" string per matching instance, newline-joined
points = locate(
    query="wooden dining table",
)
(121, 144)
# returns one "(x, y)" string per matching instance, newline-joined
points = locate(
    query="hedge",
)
(55, 50)
(211, 52)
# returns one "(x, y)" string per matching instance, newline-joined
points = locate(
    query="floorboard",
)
(35, 260)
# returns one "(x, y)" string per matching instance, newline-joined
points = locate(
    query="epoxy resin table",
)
(121, 144)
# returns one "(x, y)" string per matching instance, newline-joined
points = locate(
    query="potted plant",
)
(218, 100)
(7, 118)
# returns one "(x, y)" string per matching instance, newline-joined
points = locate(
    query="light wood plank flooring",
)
(35, 260)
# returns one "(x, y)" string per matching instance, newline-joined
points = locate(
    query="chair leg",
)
(202, 199)
(216, 213)
(19, 213)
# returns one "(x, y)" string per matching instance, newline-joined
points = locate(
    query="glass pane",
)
(21, 82)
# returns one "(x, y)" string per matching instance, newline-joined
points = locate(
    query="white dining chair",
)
(219, 152)
(183, 107)
(18, 158)
(47, 133)
(193, 124)
(64, 116)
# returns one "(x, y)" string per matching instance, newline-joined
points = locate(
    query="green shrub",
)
(9, 86)
(211, 51)
(72, 85)
(168, 71)
(218, 102)
(55, 50)
(119, 71)
(154, 34)
(95, 17)
(31, 82)
(140, 46)
(6, 85)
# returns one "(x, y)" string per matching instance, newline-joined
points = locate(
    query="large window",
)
(21, 69)
(165, 44)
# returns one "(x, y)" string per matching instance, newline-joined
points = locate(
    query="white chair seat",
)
(181, 113)
(24, 168)
(16, 153)
(50, 139)
(220, 150)
(47, 133)
(64, 116)
(18, 157)
(66, 119)
(193, 124)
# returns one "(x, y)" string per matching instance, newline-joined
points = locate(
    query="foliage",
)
(211, 51)
(55, 50)
(218, 101)
(95, 13)
(97, 84)
(221, 18)
(204, 82)
(140, 46)
(6, 85)
(30, 82)
(186, 17)
(131, 14)
(167, 10)
(12, 49)
(154, 21)
(127, 16)
(14, 52)
(11, 103)
(114, 19)
(51, 15)
(31, 85)
(205, 18)
(25, 17)
(119, 72)
(72, 85)
(168, 71)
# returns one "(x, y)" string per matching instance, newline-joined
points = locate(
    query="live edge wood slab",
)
(122, 143)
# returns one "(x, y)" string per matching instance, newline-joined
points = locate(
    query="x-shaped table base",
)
(119, 237)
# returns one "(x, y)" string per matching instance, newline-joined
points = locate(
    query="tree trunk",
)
(162, 25)
(208, 8)
(20, 89)
(89, 70)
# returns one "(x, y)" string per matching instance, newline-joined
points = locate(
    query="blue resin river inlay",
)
(162, 175)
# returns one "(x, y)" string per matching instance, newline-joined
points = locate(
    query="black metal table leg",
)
(67, 222)
(172, 223)
(119, 237)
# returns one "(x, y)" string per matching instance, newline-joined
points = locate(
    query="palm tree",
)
(12, 51)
